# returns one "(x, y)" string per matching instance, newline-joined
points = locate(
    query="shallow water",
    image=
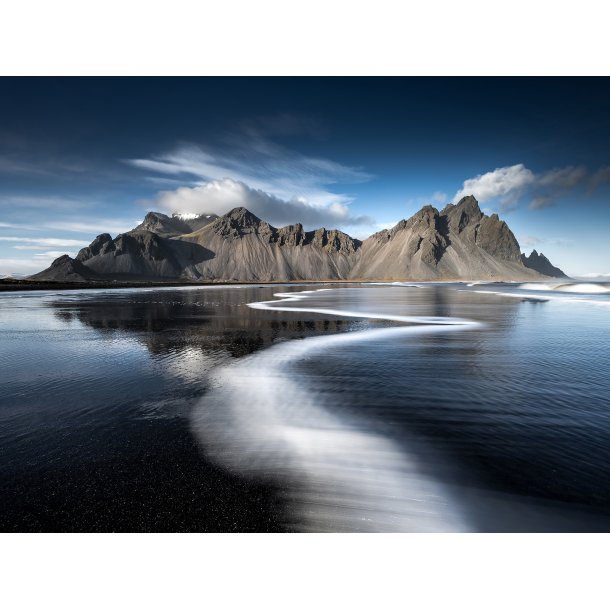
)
(423, 407)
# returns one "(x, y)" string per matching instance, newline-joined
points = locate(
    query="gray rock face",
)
(167, 226)
(65, 269)
(541, 264)
(458, 243)
(139, 253)
(245, 248)
(410, 249)
(161, 224)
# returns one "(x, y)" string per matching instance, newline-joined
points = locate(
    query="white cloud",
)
(508, 185)
(220, 196)
(93, 226)
(46, 241)
(251, 170)
(262, 165)
(502, 182)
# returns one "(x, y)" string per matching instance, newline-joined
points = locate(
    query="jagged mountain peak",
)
(460, 242)
(243, 215)
(469, 202)
(160, 223)
(540, 263)
(466, 212)
(62, 260)
(66, 269)
(238, 222)
(174, 225)
(428, 214)
(156, 215)
(426, 218)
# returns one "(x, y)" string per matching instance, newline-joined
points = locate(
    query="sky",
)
(84, 156)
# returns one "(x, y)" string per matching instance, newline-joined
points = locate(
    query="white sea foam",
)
(543, 295)
(564, 292)
(402, 284)
(263, 418)
(582, 288)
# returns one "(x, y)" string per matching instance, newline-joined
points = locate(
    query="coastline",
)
(14, 285)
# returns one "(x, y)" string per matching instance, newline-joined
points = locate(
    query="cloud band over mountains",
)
(220, 196)
(274, 182)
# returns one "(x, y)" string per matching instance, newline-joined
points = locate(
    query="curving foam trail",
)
(264, 419)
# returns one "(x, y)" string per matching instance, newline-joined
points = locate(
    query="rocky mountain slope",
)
(459, 242)
(541, 264)
(177, 224)
(65, 269)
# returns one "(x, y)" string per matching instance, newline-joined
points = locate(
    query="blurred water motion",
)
(265, 419)
(356, 408)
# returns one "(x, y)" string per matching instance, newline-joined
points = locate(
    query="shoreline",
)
(18, 285)
(13, 285)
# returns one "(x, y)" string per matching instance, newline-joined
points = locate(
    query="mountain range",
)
(456, 243)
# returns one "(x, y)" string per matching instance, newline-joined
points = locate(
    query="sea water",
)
(362, 407)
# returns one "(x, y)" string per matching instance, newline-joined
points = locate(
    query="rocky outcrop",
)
(541, 264)
(66, 269)
(167, 226)
(411, 249)
(246, 248)
(139, 253)
(458, 243)
(102, 244)
(494, 237)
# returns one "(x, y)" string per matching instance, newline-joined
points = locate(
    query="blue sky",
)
(79, 157)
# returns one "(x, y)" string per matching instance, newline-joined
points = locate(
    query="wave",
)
(589, 294)
(582, 288)
(263, 418)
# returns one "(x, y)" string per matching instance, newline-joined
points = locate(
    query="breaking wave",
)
(264, 418)
(567, 292)
(582, 288)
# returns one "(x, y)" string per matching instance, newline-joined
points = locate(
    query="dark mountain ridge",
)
(542, 264)
(457, 243)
